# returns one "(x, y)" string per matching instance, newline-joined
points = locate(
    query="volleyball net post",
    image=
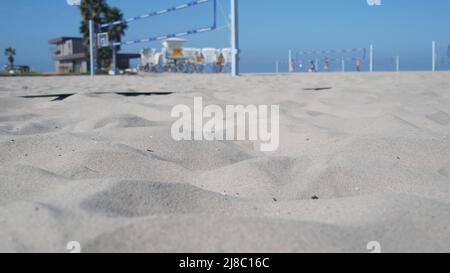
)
(234, 38)
(91, 47)
(433, 56)
(291, 62)
(371, 61)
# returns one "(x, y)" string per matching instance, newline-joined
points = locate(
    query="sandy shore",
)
(103, 170)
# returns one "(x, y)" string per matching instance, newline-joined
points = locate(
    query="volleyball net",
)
(104, 41)
(329, 60)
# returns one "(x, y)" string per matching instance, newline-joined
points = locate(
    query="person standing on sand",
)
(199, 60)
(358, 65)
(219, 63)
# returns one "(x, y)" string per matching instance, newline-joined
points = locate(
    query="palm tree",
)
(10, 52)
(91, 10)
(115, 34)
(100, 12)
(117, 31)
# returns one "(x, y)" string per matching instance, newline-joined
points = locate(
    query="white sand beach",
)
(362, 157)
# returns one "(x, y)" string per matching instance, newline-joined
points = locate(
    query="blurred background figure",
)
(358, 65)
(312, 67)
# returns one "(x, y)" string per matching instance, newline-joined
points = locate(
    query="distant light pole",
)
(234, 38)
(433, 56)
(371, 59)
(290, 64)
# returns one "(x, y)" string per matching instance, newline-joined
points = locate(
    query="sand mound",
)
(346, 227)
(139, 198)
(370, 165)
(220, 234)
(21, 183)
(124, 121)
(260, 179)
(192, 155)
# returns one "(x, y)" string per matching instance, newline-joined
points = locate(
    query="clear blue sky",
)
(268, 28)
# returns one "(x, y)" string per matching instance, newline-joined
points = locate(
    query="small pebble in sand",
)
(398, 157)
(150, 151)
(275, 200)
(315, 197)
(26, 155)
(308, 139)
(12, 140)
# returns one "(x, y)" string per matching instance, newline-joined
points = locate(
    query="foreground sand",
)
(103, 170)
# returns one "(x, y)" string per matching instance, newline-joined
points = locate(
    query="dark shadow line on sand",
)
(61, 97)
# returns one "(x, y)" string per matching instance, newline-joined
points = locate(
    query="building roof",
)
(62, 39)
(81, 57)
(129, 55)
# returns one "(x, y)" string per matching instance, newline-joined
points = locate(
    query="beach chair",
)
(148, 59)
(226, 53)
(197, 60)
(191, 56)
(210, 58)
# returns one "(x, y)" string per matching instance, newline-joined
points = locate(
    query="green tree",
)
(10, 53)
(115, 34)
(100, 12)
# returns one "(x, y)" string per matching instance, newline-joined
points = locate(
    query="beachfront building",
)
(69, 57)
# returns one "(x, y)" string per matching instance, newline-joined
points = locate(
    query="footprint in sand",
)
(314, 113)
(441, 118)
(444, 172)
